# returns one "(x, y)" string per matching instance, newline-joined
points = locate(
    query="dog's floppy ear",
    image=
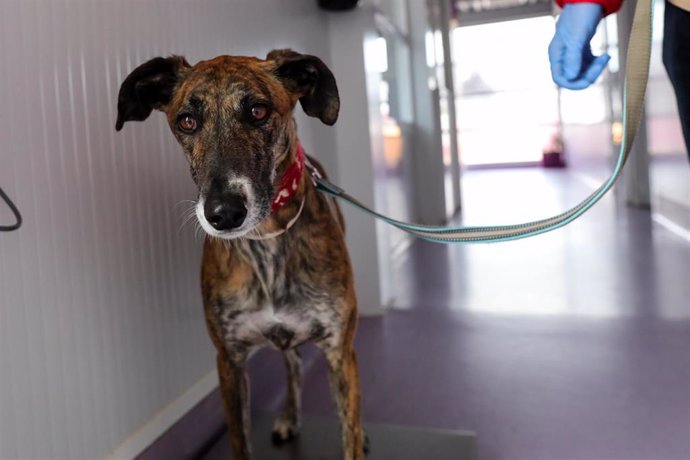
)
(148, 87)
(308, 77)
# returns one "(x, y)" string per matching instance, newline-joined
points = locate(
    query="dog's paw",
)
(284, 430)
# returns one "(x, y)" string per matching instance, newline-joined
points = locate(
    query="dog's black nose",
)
(225, 214)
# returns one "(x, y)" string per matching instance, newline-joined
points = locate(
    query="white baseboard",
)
(162, 421)
(671, 226)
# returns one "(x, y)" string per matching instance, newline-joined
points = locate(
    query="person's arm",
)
(609, 6)
(573, 65)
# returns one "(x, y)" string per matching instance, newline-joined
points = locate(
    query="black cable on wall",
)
(15, 211)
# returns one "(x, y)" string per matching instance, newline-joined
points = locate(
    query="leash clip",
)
(316, 176)
(320, 182)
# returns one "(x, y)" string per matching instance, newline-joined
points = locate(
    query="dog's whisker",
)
(186, 219)
(188, 214)
(180, 203)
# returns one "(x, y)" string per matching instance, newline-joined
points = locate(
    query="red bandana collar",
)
(290, 180)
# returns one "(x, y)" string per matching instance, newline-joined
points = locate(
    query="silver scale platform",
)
(319, 439)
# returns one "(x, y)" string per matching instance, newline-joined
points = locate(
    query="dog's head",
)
(233, 118)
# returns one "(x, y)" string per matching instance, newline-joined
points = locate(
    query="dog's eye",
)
(259, 112)
(187, 123)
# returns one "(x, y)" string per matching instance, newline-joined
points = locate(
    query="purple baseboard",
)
(193, 434)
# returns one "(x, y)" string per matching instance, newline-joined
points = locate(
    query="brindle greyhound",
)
(275, 268)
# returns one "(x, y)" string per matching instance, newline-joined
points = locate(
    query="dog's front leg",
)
(235, 390)
(344, 380)
(287, 424)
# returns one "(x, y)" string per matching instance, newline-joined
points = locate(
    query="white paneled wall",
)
(101, 322)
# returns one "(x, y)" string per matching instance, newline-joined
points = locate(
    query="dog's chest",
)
(282, 328)
(278, 309)
(266, 326)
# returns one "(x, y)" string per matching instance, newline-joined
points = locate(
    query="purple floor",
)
(572, 345)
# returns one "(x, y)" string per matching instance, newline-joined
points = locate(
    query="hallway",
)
(571, 345)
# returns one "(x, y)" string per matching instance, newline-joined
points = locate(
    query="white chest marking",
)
(255, 326)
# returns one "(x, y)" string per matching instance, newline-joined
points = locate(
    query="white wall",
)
(101, 323)
(360, 114)
(429, 205)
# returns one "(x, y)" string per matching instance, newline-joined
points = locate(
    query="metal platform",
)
(320, 440)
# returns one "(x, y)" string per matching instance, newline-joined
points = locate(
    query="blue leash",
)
(635, 85)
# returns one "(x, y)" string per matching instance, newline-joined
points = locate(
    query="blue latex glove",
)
(573, 65)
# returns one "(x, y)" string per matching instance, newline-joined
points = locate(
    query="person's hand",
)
(573, 65)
